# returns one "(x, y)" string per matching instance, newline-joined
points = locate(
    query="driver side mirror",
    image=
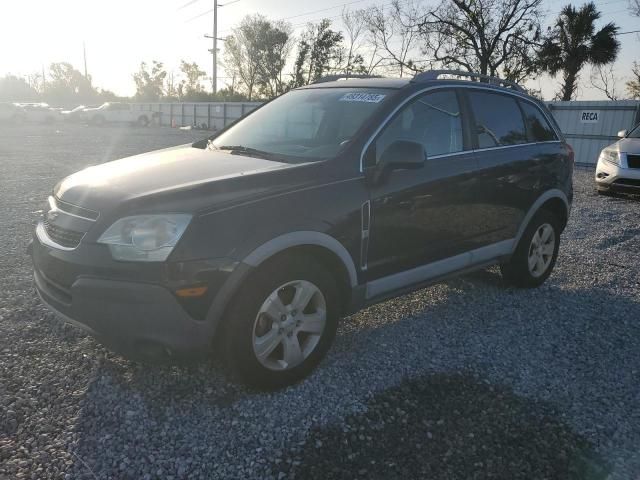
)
(622, 133)
(403, 154)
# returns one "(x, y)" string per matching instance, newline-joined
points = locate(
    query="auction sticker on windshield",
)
(362, 97)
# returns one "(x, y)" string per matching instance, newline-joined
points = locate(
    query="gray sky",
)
(119, 34)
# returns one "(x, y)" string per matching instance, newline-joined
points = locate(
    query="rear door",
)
(511, 162)
(421, 216)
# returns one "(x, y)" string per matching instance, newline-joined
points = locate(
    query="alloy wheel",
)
(289, 325)
(541, 250)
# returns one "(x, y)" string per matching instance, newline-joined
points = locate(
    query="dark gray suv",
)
(327, 199)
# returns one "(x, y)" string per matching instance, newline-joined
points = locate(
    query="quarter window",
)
(498, 120)
(432, 119)
(538, 128)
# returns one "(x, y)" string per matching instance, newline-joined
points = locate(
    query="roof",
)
(398, 83)
(373, 82)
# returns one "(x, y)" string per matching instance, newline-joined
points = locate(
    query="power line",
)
(311, 12)
(201, 15)
(187, 4)
(321, 10)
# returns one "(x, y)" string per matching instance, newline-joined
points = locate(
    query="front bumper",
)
(136, 316)
(617, 178)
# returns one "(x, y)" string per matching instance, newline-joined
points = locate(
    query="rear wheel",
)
(278, 331)
(143, 121)
(536, 254)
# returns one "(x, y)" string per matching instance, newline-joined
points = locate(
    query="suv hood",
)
(181, 168)
(629, 145)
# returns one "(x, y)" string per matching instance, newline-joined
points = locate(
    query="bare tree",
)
(603, 78)
(354, 23)
(485, 36)
(633, 85)
(394, 35)
(634, 7)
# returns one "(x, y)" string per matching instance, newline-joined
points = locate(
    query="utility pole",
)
(214, 50)
(214, 37)
(214, 80)
(84, 54)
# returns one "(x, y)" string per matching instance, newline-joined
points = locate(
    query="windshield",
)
(308, 124)
(635, 133)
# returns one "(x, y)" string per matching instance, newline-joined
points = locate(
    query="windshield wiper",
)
(241, 149)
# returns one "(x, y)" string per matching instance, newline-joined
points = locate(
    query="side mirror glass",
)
(403, 154)
(622, 133)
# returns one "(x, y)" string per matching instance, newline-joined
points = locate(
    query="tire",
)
(517, 271)
(143, 121)
(274, 288)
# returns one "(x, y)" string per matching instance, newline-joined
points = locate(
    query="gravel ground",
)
(466, 379)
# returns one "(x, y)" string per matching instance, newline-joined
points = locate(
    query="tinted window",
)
(538, 128)
(432, 119)
(498, 120)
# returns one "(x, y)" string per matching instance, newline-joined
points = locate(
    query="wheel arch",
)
(311, 241)
(554, 201)
(317, 245)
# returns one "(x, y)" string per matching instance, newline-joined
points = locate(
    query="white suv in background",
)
(116, 112)
(618, 167)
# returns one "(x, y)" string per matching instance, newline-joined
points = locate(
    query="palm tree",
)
(573, 42)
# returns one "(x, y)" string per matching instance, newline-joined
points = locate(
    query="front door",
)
(423, 215)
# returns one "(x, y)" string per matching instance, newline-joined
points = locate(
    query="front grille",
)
(76, 210)
(62, 236)
(633, 161)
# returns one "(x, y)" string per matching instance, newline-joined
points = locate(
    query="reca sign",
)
(589, 116)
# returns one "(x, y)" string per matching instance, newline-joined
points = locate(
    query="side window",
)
(538, 128)
(432, 119)
(498, 120)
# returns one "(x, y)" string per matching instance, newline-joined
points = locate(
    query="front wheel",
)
(536, 253)
(280, 329)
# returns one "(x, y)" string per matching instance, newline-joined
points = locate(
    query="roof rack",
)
(434, 74)
(344, 76)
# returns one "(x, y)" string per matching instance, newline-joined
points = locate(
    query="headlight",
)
(611, 156)
(145, 238)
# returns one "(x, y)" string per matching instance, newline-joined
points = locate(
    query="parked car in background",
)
(116, 112)
(41, 112)
(330, 198)
(12, 113)
(618, 168)
(74, 115)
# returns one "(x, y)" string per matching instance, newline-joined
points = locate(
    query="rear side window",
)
(498, 120)
(538, 128)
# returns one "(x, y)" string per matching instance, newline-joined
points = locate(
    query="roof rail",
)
(434, 74)
(344, 76)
